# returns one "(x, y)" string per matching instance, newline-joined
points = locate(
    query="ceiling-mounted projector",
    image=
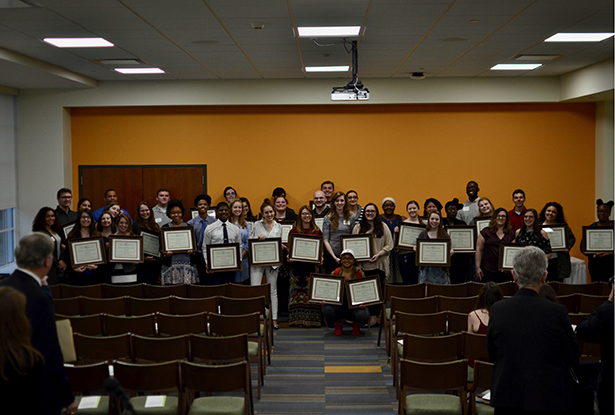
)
(354, 90)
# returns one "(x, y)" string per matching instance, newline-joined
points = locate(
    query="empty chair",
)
(567, 289)
(114, 306)
(414, 305)
(483, 372)
(421, 376)
(159, 291)
(92, 291)
(456, 322)
(475, 347)
(187, 306)
(56, 291)
(113, 291)
(151, 379)
(204, 291)
(508, 288)
(67, 306)
(588, 303)
(88, 380)
(451, 290)
(571, 301)
(213, 379)
(88, 325)
(102, 349)
(149, 349)
(458, 304)
(401, 291)
(141, 306)
(172, 325)
(474, 287)
(141, 325)
(251, 291)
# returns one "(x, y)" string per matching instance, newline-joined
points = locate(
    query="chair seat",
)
(470, 374)
(102, 409)
(484, 409)
(433, 404)
(262, 332)
(252, 349)
(171, 406)
(218, 405)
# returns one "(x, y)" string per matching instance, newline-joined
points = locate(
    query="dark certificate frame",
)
(407, 229)
(168, 231)
(96, 247)
(322, 285)
(429, 244)
(298, 240)
(479, 222)
(137, 241)
(148, 238)
(355, 239)
(562, 231)
(369, 287)
(66, 228)
(267, 246)
(465, 229)
(605, 232)
(507, 249)
(230, 249)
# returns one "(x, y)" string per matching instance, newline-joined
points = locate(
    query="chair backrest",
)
(457, 304)
(571, 301)
(434, 323)
(88, 325)
(483, 372)
(87, 378)
(92, 291)
(141, 325)
(155, 377)
(187, 306)
(434, 376)
(225, 325)
(214, 378)
(158, 291)
(456, 322)
(508, 288)
(475, 345)
(603, 288)
(142, 306)
(172, 325)
(67, 306)
(213, 350)
(451, 290)
(588, 303)
(113, 291)
(114, 306)
(161, 349)
(204, 291)
(102, 348)
(474, 287)
(433, 349)
(414, 305)
(404, 291)
(567, 289)
(239, 306)
(56, 291)
(249, 291)
(577, 318)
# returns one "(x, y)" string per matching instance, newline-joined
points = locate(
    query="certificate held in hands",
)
(223, 257)
(326, 288)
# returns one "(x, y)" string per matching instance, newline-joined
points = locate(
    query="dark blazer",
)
(531, 343)
(39, 310)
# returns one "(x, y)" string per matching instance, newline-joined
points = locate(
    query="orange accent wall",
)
(403, 151)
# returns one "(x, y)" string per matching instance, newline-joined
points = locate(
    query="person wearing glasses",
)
(488, 247)
(63, 212)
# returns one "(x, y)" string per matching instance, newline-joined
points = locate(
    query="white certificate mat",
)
(361, 245)
(507, 254)
(407, 235)
(155, 401)
(151, 243)
(326, 289)
(305, 248)
(223, 257)
(481, 222)
(178, 239)
(557, 235)
(125, 248)
(286, 228)
(433, 252)
(319, 221)
(89, 402)
(364, 291)
(598, 239)
(265, 253)
(463, 238)
(86, 251)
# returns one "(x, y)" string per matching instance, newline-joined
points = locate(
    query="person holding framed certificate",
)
(122, 272)
(222, 231)
(407, 260)
(485, 208)
(435, 230)
(199, 223)
(238, 217)
(356, 210)
(488, 247)
(392, 220)
(178, 268)
(336, 314)
(559, 263)
(431, 205)
(149, 270)
(600, 265)
(265, 228)
(47, 222)
(461, 263)
(531, 233)
(84, 228)
(301, 312)
(337, 222)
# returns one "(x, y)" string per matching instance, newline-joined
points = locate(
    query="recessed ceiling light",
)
(329, 31)
(516, 66)
(327, 68)
(136, 71)
(78, 42)
(579, 37)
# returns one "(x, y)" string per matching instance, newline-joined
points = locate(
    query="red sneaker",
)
(356, 328)
(338, 329)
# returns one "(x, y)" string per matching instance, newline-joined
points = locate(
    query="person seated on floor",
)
(336, 314)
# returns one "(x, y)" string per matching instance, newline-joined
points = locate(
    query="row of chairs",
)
(581, 303)
(180, 381)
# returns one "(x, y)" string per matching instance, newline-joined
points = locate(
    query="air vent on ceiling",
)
(121, 62)
(536, 57)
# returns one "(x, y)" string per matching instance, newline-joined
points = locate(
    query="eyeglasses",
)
(501, 216)
(306, 214)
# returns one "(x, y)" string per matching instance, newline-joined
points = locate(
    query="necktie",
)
(225, 233)
(203, 225)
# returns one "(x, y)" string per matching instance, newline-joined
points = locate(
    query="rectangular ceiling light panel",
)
(327, 68)
(79, 42)
(138, 71)
(516, 66)
(579, 37)
(329, 31)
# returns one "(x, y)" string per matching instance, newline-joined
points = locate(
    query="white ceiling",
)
(214, 39)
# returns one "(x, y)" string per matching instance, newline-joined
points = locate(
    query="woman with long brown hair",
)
(337, 222)
(434, 230)
(531, 233)
(149, 270)
(488, 247)
(85, 227)
(46, 221)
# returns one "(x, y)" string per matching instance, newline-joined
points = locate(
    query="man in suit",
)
(531, 343)
(34, 256)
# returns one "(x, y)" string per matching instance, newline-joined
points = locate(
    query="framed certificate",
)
(361, 244)
(507, 254)
(211, 212)
(151, 242)
(558, 236)
(86, 251)
(433, 252)
(286, 225)
(178, 239)
(319, 219)
(407, 235)
(363, 291)
(193, 213)
(223, 257)
(265, 253)
(481, 222)
(463, 238)
(66, 228)
(598, 239)
(326, 289)
(125, 248)
(305, 248)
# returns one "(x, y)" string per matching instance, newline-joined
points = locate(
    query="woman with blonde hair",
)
(238, 217)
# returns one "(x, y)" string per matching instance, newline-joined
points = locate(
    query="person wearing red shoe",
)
(336, 314)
